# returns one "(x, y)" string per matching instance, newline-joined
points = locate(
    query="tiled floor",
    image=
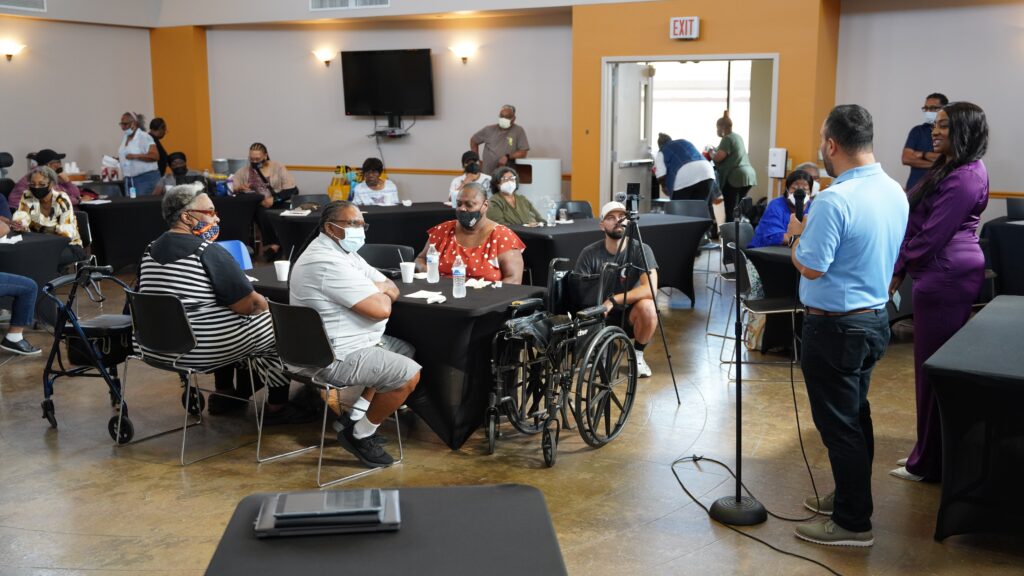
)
(70, 503)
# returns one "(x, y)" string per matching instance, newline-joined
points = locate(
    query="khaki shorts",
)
(383, 367)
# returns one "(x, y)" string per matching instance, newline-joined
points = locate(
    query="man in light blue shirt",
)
(845, 253)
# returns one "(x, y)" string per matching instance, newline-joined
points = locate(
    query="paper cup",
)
(282, 267)
(408, 270)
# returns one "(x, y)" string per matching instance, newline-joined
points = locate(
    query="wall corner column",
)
(181, 91)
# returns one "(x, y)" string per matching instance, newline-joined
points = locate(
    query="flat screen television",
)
(388, 83)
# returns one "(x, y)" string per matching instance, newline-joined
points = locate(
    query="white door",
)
(630, 158)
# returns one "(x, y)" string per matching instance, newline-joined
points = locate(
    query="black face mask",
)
(256, 165)
(180, 170)
(38, 193)
(473, 168)
(468, 219)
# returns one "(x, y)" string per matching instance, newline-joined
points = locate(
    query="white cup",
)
(282, 267)
(408, 269)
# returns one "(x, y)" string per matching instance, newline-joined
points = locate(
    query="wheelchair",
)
(95, 346)
(552, 358)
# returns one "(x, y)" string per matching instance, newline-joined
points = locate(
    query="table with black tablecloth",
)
(453, 344)
(779, 279)
(978, 377)
(122, 228)
(497, 530)
(1006, 253)
(37, 256)
(673, 239)
(404, 225)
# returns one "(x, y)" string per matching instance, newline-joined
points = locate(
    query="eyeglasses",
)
(124, 124)
(211, 213)
(351, 224)
(509, 178)
(931, 108)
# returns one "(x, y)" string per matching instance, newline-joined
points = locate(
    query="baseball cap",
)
(611, 207)
(45, 156)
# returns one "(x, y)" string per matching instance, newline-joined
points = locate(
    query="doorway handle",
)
(636, 163)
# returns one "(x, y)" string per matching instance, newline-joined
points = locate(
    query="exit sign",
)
(684, 28)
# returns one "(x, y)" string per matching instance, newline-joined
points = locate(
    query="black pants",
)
(70, 254)
(838, 356)
(729, 194)
(699, 191)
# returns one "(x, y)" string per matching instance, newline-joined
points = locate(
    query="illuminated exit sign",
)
(684, 28)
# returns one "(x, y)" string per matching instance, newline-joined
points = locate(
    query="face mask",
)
(929, 117)
(256, 165)
(38, 193)
(129, 131)
(353, 240)
(206, 231)
(180, 170)
(467, 219)
(508, 187)
(815, 189)
(504, 123)
(58, 169)
(473, 168)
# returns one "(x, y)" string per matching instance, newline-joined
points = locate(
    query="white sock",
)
(359, 409)
(364, 429)
(640, 355)
(15, 337)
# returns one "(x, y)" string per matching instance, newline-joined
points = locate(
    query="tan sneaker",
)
(828, 533)
(821, 505)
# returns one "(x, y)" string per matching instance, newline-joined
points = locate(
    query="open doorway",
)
(684, 97)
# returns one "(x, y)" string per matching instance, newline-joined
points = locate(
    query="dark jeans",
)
(729, 195)
(838, 354)
(24, 292)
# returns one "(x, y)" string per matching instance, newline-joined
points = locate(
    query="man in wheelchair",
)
(631, 291)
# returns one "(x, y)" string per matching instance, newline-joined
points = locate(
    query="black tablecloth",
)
(779, 279)
(672, 238)
(405, 225)
(979, 382)
(1006, 252)
(453, 344)
(36, 256)
(122, 229)
(495, 530)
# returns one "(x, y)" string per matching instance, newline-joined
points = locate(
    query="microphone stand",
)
(738, 510)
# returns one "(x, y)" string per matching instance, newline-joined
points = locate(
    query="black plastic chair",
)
(162, 328)
(6, 161)
(386, 256)
(577, 209)
(306, 351)
(6, 187)
(718, 285)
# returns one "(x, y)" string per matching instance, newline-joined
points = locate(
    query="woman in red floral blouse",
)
(489, 250)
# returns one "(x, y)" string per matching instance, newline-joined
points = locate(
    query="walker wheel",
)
(549, 442)
(196, 404)
(126, 433)
(492, 430)
(48, 412)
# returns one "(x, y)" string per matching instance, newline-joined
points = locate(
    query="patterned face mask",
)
(206, 231)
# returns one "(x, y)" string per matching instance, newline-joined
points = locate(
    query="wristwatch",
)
(793, 239)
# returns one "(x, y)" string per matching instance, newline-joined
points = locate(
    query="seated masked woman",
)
(230, 320)
(44, 208)
(489, 250)
(506, 206)
(771, 230)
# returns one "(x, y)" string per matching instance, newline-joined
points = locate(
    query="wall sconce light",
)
(463, 51)
(324, 56)
(10, 49)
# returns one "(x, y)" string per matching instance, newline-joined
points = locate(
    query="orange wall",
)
(181, 91)
(804, 33)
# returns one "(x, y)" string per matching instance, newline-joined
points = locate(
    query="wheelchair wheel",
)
(127, 430)
(196, 404)
(524, 387)
(492, 430)
(549, 442)
(49, 413)
(605, 386)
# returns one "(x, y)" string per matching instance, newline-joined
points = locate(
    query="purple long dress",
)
(941, 253)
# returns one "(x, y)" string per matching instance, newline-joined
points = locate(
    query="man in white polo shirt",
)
(354, 301)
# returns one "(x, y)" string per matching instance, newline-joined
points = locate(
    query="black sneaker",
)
(21, 347)
(340, 424)
(290, 414)
(367, 450)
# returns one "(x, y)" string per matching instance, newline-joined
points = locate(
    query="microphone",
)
(620, 197)
(799, 195)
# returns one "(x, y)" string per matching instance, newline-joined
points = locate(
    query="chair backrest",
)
(557, 299)
(577, 209)
(6, 186)
(160, 323)
(319, 199)
(239, 252)
(695, 208)
(742, 278)
(386, 255)
(6, 161)
(301, 338)
(84, 230)
(728, 233)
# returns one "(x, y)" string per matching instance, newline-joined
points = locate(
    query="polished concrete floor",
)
(71, 503)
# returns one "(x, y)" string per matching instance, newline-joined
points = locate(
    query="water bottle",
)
(458, 278)
(433, 260)
(231, 185)
(131, 188)
(552, 213)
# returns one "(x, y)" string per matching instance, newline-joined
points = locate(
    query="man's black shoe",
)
(218, 405)
(367, 450)
(21, 347)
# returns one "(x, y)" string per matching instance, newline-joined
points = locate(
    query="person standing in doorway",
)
(503, 142)
(735, 174)
(918, 152)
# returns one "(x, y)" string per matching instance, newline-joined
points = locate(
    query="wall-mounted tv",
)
(388, 83)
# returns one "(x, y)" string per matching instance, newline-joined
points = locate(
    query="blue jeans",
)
(838, 355)
(144, 183)
(24, 291)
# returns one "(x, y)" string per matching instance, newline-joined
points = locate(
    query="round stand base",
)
(744, 512)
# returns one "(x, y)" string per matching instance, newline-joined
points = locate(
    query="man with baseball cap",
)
(46, 157)
(630, 292)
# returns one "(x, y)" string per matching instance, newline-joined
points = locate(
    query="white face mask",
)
(508, 187)
(815, 189)
(504, 123)
(929, 117)
(129, 131)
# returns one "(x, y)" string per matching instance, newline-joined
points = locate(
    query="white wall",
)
(298, 110)
(107, 12)
(893, 53)
(68, 89)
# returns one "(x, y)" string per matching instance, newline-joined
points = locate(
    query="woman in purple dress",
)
(941, 253)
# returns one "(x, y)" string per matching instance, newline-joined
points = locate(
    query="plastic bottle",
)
(231, 185)
(131, 187)
(433, 261)
(552, 212)
(458, 278)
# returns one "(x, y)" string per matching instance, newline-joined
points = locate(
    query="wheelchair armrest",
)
(590, 313)
(525, 307)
